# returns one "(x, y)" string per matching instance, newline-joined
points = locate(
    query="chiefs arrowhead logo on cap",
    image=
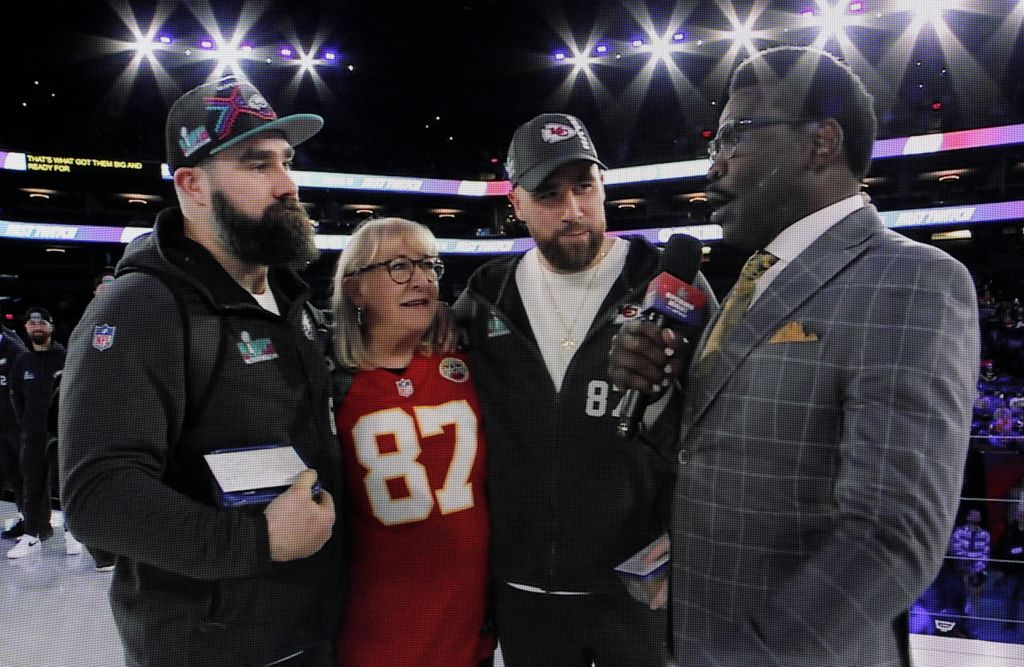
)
(552, 133)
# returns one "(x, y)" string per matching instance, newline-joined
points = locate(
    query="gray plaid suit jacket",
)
(818, 479)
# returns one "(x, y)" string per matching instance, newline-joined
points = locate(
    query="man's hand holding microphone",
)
(648, 354)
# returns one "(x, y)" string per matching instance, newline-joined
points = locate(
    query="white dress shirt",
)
(796, 238)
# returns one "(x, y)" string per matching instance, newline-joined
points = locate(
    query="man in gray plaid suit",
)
(827, 409)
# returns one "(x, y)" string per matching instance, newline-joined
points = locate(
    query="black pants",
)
(606, 629)
(1013, 579)
(10, 465)
(38, 472)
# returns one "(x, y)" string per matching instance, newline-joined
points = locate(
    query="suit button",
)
(683, 456)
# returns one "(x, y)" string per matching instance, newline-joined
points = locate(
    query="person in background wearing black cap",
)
(206, 341)
(569, 500)
(11, 346)
(31, 383)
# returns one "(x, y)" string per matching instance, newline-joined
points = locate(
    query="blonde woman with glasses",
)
(414, 454)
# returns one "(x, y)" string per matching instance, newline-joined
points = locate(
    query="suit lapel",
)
(797, 283)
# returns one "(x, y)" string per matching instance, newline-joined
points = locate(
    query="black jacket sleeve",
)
(17, 387)
(121, 413)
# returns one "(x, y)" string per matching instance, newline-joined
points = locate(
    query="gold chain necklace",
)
(569, 341)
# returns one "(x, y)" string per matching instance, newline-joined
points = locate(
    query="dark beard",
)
(40, 339)
(576, 260)
(281, 237)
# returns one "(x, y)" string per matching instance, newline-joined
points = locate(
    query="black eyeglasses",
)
(400, 269)
(728, 137)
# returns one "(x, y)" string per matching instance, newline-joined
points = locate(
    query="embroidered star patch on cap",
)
(214, 116)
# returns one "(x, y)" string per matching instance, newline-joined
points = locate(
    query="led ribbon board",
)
(922, 217)
(886, 148)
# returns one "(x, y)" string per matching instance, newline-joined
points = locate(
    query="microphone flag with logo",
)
(670, 301)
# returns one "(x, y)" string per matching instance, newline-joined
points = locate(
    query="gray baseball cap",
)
(544, 144)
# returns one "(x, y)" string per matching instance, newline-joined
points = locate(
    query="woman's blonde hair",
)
(349, 338)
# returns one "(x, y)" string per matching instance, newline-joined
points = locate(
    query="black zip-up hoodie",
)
(194, 583)
(569, 499)
(11, 346)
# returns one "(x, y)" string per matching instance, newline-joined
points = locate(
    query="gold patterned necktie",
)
(736, 304)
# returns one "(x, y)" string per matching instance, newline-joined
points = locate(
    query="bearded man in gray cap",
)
(196, 390)
(569, 500)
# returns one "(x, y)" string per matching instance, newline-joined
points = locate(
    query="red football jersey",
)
(415, 465)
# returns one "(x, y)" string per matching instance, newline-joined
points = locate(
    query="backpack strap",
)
(341, 378)
(201, 333)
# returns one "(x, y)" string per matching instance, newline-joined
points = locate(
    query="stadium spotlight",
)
(601, 49)
(832, 18)
(144, 46)
(207, 44)
(560, 56)
(662, 47)
(307, 62)
(330, 56)
(743, 35)
(165, 39)
(928, 11)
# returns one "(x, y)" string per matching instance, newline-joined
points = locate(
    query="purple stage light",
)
(206, 44)
(679, 37)
(602, 49)
(165, 39)
(559, 55)
(330, 55)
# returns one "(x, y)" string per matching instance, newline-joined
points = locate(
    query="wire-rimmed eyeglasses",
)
(400, 269)
(729, 134)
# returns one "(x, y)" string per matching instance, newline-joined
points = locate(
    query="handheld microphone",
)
(670, 301)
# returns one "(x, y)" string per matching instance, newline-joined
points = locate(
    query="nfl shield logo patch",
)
(404, 387)
(103, 337)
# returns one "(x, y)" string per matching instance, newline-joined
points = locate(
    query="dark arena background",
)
(420, 101)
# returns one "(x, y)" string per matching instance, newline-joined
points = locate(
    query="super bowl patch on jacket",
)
(255, 351)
